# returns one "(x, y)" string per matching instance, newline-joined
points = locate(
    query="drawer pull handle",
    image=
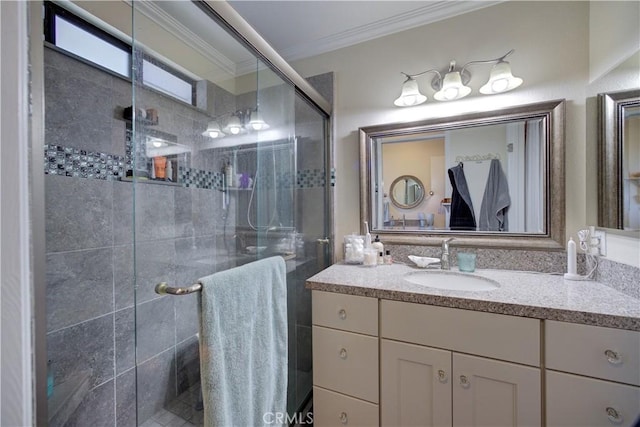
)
(442, 376)
(343, 418)
(613, 415)
(464, 381)
(342, 314)
(613, 357)
(343, 353)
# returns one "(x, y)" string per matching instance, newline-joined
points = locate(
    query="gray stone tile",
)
(126, 399)
(155, 327)
(78, 213)
(156, 384)
(122, 213)
(188, 366)
(96, 410)
(78, 111)
(123, 276)
(187, 319)
(154, 212)
(323, 83)
(155, 262)
(79, 286)
(207, 211)
(184, 212)
(125, 329)
(87, 346)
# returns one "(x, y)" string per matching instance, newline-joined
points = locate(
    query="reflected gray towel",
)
(496, 201)
(243, 344)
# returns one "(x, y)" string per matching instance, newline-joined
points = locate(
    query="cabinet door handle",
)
(613, 357)
(343, 353)
(613, 415)
(343, 418)
(464, 381)
(342, 314)
(442, 376)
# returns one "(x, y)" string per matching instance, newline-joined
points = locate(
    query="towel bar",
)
(163, 288)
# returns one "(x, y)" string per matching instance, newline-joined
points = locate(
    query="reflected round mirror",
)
(407, 192)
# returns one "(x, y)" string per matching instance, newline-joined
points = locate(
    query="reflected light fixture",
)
(454, 84)
(239, 122)
(256, 122)
(234, 127)
(213, 130)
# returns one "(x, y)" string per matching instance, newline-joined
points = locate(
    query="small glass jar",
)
(353, 249)
(370, 257)
(466, 262)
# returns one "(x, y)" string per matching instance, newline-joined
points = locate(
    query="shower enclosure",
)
(174, 152)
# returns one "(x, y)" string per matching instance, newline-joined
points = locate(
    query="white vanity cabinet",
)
(345, 360)
(444, 367)
(592, 375)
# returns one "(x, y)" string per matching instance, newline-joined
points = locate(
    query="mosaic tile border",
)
(76, 163)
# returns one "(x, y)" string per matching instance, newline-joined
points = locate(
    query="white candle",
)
(571, 257)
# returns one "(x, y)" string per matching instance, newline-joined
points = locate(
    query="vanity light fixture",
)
(454, 83)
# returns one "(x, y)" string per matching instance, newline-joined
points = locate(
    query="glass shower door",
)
(227, 168)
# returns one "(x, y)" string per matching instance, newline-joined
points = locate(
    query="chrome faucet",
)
(403, 221)
(444, 258)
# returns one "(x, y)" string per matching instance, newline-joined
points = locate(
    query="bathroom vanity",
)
(534, 350)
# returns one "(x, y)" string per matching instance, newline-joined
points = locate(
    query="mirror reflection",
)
(482, 178)
(406, 192)
(631, 168)
(489, 174)
(620, 160)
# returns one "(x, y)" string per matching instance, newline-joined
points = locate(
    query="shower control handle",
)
(322, 241)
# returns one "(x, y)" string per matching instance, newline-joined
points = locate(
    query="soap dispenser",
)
(379, 247)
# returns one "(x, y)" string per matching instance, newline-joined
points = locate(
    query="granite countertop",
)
(527, 294)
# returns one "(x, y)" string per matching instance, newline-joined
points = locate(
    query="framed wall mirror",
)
(491, 179)
(619, 161)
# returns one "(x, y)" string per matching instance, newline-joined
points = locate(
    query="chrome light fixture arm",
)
(488, 61)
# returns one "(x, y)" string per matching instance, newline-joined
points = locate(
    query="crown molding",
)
(436, 11)
(182, 33)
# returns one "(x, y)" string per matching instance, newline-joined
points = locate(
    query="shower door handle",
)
(323, 241)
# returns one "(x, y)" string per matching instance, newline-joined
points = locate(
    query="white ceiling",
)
(304, 28)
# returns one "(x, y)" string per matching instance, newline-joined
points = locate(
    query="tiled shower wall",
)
(182, 233)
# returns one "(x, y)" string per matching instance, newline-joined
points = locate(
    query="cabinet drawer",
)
(515, 339)
(346, 362)
(607, 353)
(580, 401)
(335, 409)
(347, 312)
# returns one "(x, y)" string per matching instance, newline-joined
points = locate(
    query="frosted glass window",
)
(166, 82)
(92, 48)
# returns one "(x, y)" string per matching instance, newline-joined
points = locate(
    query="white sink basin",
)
(451, 280)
